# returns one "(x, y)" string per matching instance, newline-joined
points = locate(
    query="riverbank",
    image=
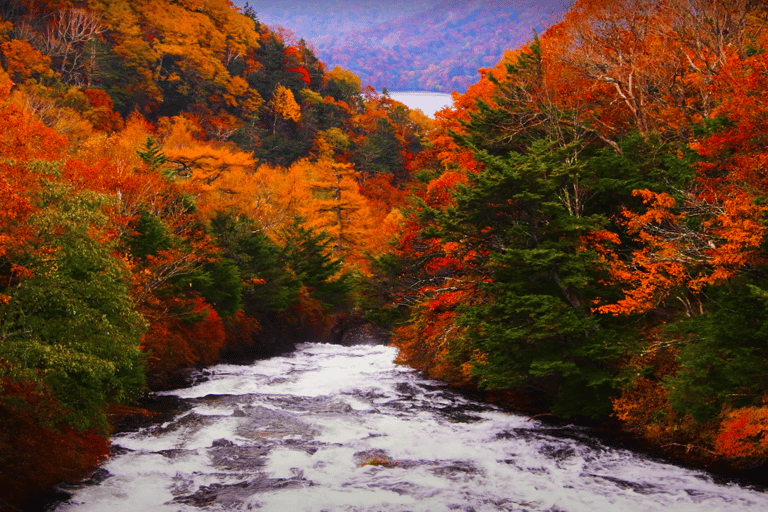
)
(613, 433)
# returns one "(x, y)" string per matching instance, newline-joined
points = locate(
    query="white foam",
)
(346, 429)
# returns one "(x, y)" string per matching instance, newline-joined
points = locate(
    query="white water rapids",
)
(332, 428)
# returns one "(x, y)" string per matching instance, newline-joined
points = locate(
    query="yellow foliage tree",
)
(284, 105)
(338, 206)
(327, 195)
(187, 45)
(278, 196)
(331, 141)
(217, 173)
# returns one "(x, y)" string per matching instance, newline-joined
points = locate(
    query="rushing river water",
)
(333, 428)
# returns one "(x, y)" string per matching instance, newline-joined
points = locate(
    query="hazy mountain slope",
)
(417, 45)
(321, 21)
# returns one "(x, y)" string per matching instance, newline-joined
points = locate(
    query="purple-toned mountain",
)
(427, 45)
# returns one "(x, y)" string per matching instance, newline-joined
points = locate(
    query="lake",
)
(427, 102)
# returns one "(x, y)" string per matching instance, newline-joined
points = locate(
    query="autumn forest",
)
(582, 235)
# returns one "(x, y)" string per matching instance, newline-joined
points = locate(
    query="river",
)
(332, 428)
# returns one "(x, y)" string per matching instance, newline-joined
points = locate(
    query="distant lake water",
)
(427, 102)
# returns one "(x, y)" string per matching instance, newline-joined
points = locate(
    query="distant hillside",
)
(417, 45)
(322, 20)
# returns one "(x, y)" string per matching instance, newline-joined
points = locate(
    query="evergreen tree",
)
(308, 255)
(152, 154)
(536, 330)
(268, 285)
(723, 362)
(72, 324)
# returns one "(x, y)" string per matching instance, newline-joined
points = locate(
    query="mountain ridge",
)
(421, 45)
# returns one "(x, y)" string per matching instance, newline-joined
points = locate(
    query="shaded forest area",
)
(583, 234)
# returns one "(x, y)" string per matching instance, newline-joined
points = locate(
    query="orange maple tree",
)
(744, 433)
